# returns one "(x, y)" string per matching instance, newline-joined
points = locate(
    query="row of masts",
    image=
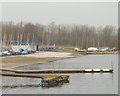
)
(11, 39)
(20, 39)
(6, 43)
(91, 39)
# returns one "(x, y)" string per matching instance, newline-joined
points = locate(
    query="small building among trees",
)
(31, 46)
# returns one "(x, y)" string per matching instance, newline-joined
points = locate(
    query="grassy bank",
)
(18, 61)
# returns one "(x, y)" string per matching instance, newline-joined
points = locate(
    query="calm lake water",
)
(79, 83)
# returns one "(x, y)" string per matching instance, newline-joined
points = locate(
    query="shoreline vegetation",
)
(81, 36)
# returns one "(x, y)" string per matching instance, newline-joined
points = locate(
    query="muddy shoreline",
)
(14, 62)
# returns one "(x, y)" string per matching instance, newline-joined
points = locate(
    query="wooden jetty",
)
(61, 70)
(47, 80)
(22, 75)
(44, 77)
(56, 81)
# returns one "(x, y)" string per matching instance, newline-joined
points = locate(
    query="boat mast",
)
(28, 39)
(43, 35)
(82, 40)
(93, 41)
(48, 36)
(98, 40)
(76, 36)
(20, 39)
(4, 41)
(87, 44)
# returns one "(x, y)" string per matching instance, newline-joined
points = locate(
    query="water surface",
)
(79, 83)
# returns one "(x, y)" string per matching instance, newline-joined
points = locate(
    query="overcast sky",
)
(90, 13)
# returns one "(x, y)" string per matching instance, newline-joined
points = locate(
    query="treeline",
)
(82, 36)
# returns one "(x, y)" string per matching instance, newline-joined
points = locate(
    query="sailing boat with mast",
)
(48, 47)
(81, 49)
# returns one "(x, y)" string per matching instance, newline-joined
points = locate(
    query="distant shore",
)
(12, 62)
(97, 52)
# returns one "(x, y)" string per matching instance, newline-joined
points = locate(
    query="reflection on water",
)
(43, 85)
(25, 86)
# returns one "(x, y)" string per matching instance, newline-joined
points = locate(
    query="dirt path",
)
(42, 54)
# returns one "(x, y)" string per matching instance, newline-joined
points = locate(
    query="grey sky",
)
(62, 13)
